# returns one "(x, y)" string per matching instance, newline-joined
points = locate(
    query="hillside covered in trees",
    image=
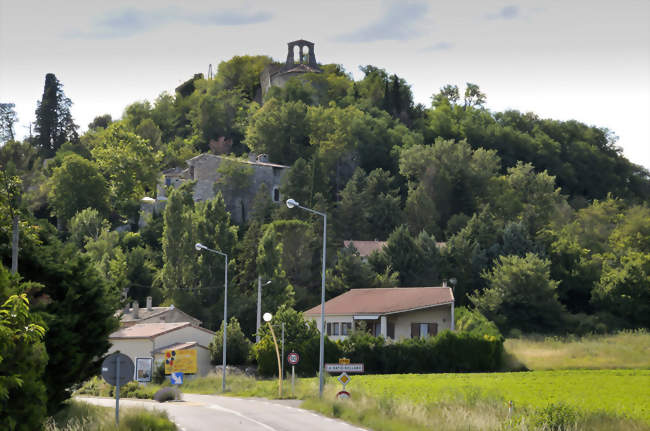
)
(545, 225)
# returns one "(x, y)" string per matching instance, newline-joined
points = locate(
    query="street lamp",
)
(292, 203)
(198, 246)
(259, 305)
(267, 319)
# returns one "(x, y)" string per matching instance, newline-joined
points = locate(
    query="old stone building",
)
(300, 59)
(208, 171)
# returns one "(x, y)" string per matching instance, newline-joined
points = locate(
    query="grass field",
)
(616, 392)
(629, 349)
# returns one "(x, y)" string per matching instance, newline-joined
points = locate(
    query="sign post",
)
(293, 358)
(344, 367)
(117, 370)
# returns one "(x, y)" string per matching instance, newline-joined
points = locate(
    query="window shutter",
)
(329, 329)
(433, 329)
(415, 330)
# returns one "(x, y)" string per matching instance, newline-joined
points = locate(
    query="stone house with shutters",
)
(394, 313)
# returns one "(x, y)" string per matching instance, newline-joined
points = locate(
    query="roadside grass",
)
(627, 349)
(80, 416)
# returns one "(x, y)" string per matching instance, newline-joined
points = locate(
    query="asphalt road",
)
(212, 413)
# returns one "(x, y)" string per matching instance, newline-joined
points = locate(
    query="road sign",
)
(109, 369)
(176, 378)
(343, 395)
(344, 368)
(293, 358)
(344, 361)
(344, 379)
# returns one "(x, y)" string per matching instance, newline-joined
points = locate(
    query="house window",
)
(168, 181)
(423, 329)
(346, 328)
(333, 328)
(276, 194)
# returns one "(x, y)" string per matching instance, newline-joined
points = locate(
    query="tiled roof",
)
(143, 313)
(384, 301)
(178, 346)
(150, 330)
(365, 248)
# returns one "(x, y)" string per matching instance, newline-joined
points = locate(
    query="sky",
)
(582, 60)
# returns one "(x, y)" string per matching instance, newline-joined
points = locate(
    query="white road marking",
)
(236, 413)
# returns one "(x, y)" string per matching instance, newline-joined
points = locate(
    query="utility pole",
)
(259, 308)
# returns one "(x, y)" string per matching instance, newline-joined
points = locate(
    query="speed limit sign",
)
(293, 358)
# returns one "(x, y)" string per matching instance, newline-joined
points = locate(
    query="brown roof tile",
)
(384, 301)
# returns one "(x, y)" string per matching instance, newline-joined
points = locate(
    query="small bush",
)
(473, 322)
(159, 373)
(143, 420)
(556, 417)
(167, 394)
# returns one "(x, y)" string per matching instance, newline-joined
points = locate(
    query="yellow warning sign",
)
(183, 361)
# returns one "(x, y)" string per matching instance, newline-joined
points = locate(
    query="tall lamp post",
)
(200, 247)
(292, 203)
(259, 306)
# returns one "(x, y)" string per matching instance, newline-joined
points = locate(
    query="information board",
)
(183, 361)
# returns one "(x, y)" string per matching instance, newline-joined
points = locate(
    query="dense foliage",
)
(542, 224)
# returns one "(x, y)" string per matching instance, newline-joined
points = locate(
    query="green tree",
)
(270, 267)
(130, 165)
(238, 347)
(369, 206)
(101, 121)
(54, 124)
(76, 185)
(86, 225)
(279, 130)
(521, 295)
(22, 357)
(242, 73)
(624, 285)
(8, 118)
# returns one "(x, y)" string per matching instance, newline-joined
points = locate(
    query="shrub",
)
(168, 393)
(159, 373)
(473, 322)
(556, 417)
(238, 346)
(143, 420)
(446, 352)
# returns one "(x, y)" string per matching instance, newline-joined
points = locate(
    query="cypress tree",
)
(54, 124)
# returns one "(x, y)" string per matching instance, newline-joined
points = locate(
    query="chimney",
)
(444, 284)
(136, 310)
(252, 156)
(126, 308)
(149, 303)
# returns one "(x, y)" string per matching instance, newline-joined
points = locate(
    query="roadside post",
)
(344, 367)
(293, 358)
(117, 370)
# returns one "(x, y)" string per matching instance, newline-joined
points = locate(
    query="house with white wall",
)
(152, 340)
(395, 313)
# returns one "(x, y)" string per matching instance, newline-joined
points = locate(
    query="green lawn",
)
(617, 392)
